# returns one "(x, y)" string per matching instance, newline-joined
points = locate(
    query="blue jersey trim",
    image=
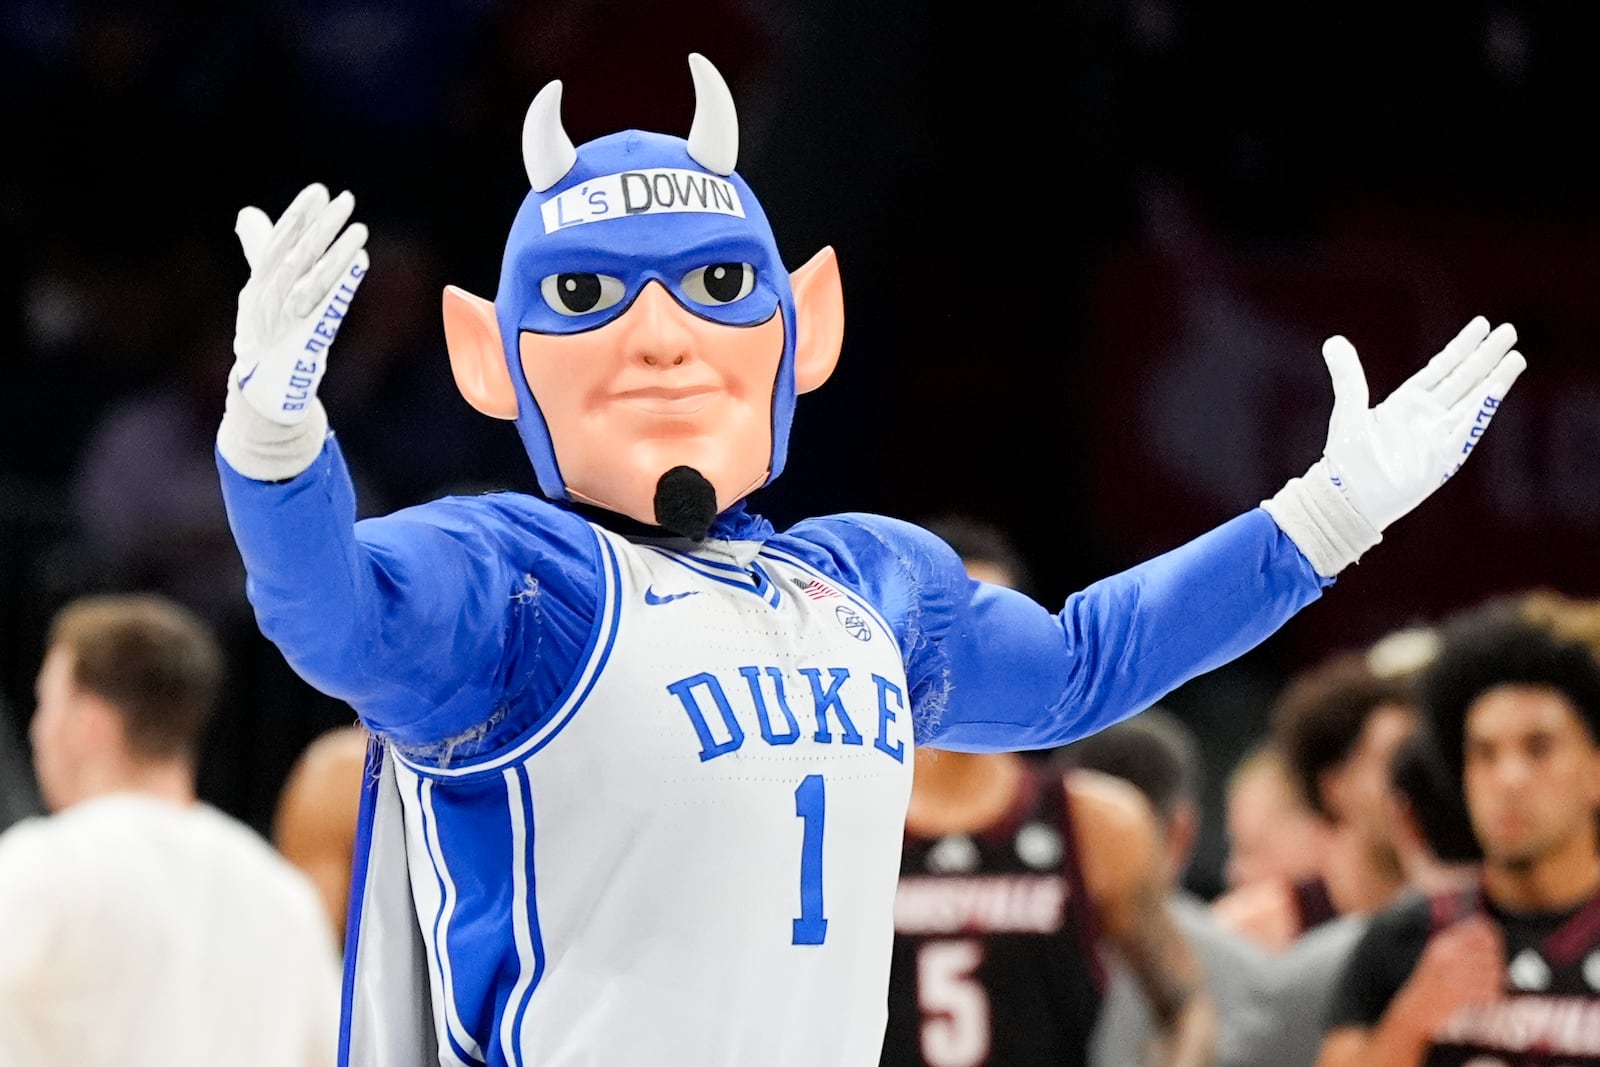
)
(766, 583)
(711, 564)
(370, 782)
(462, 1044)
(754, 580)
(524, 913)
(594, 661)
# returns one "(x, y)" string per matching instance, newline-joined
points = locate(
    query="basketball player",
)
(641, 761)
(1434, 843)
(1337, 724)
(1013, 879)
(315, 824)
(1156, 752)
(1273, 837)
(1507, 972)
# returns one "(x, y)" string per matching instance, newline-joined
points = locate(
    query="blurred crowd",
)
(1206, 242)
(1412, 866)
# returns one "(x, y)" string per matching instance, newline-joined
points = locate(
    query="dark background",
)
(1090, 252)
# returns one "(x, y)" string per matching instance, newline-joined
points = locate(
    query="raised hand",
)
(301, 283)
(1387, 459)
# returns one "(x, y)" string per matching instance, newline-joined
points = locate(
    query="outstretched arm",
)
(991, 669)
(1019, 676)
(414, 619)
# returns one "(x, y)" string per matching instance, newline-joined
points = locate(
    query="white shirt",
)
(139, 933)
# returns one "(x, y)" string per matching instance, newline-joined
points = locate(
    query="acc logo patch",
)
(854, 624)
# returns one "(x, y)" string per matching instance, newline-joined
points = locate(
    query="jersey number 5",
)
(955, 1007)
(810, 805)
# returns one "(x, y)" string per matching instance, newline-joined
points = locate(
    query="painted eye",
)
(579, 294)
(720, 283)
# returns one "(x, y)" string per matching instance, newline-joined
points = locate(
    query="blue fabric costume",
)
(468, 632)
(418, 620)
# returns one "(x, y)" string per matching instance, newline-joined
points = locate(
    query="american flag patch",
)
(816, 589)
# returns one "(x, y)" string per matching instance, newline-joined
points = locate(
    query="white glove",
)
(1381, 462)
(297, 296)
(1388, 459)
(290, 310)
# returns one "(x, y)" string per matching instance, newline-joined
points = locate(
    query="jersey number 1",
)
(810, 804)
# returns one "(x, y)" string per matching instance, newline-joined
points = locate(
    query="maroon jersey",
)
(995, 949)
(1312, 902)
(1550, 1013)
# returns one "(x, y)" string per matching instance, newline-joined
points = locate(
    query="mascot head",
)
(645, 337)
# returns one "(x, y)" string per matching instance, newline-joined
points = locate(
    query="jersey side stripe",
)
(530, 955)
(447, 1051)
(594, 663)
(531, 911)
(371, 782)
(461, 1042)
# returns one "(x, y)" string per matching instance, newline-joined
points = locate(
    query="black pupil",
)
(579, 292)
(724, 280)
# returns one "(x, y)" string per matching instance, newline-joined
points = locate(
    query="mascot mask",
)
(645, 337)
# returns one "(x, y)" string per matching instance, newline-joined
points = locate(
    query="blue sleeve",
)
(460, 618)
(990, 669)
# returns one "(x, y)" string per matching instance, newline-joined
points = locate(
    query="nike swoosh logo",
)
(650, 596)
(246, 379)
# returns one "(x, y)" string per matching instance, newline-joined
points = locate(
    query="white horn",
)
(547, 151)
(714, 134)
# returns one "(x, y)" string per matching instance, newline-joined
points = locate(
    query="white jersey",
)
(137, 933)
(693, 860)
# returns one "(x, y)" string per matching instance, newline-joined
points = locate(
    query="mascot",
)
(640, 762)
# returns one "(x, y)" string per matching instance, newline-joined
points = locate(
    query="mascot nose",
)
(657, 334)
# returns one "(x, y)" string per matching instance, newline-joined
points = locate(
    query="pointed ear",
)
(477, 358)
(819, 320)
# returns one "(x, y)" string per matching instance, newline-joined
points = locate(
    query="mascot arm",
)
(1001, 672)
(417, 619)
(990, 669)
(429, 621)
(1009, 674)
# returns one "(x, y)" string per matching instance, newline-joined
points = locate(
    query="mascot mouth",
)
(659, 401)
